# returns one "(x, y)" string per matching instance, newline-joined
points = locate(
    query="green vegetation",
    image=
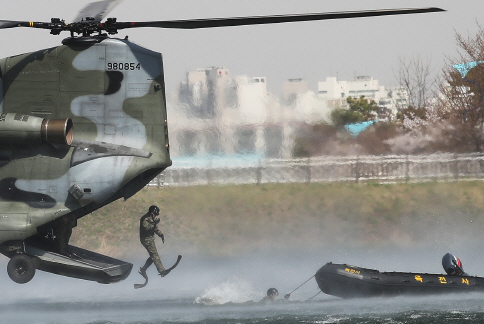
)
(361, 109)
(434, 114)
(226, 220)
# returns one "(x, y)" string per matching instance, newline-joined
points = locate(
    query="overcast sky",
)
(308, 50)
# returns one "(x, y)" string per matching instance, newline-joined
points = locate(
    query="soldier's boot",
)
(164, 273)
(142, 270)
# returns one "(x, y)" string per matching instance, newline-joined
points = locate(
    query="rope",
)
(288, 295)
(314, 295)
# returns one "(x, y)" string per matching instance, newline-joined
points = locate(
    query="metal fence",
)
(395, 168)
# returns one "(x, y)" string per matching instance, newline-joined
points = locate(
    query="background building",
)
(219, 115)
(226, 115)
(335, 92)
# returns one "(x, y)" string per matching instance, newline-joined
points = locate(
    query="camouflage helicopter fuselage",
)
(111, 92)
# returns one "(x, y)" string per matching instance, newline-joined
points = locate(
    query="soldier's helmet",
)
(154, 210)
(272, 292)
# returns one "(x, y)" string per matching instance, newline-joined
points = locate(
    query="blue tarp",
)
(464, 68)
(357, 128)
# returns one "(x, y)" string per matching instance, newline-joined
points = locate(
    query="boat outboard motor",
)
(453, 266)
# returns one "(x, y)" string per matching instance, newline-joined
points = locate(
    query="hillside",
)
(228, 220)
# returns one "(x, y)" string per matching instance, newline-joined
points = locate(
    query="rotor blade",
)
(256, 20)
(97, 10)
(13, 24)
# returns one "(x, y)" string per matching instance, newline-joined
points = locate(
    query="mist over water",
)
(228, 290)
(204, 289)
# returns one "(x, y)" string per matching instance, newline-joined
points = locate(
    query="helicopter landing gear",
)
(21, 268)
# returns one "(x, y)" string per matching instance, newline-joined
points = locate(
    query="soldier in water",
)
(271, 296)
(147, 229)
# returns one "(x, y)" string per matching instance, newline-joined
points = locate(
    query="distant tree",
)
(367, 108)
(418, 87)
(415, 76)
(341, 117)
(313, 140)
(412, 112)
(461, 103)
(373, 140)
(323, 139)
(360, 110)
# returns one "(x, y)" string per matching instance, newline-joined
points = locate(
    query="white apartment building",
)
(336, 92)
(222, 115)
(226, 115)
(293, 88)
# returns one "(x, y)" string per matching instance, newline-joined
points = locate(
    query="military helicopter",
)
(82, 125)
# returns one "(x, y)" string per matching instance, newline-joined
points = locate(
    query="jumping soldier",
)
(147, 229)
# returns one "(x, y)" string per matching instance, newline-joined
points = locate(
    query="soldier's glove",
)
(157, 220)
(162, 238)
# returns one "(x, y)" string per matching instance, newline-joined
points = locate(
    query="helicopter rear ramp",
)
(83, 264)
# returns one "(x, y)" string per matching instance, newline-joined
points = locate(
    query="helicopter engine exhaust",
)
(27, 130)
(57, 131)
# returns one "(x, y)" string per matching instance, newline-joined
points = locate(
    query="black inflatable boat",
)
(347, 281)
